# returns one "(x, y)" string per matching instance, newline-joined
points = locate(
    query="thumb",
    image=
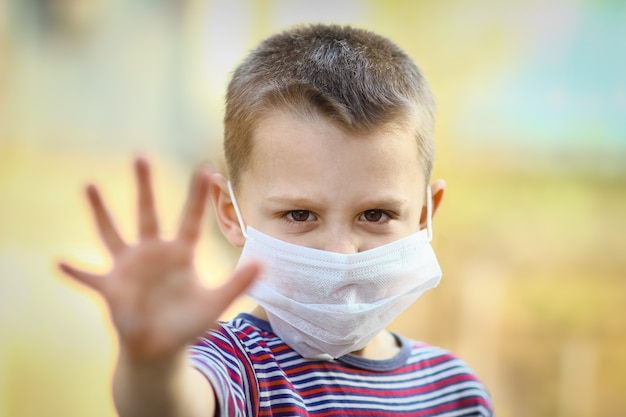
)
(241, 279)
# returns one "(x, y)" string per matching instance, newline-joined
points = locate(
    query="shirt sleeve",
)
(220, 358)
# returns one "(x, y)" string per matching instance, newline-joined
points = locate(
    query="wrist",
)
(148, 387)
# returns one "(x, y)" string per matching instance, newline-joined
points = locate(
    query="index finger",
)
(189, 230)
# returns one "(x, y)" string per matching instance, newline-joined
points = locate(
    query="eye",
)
(299, 215)
(374, 216)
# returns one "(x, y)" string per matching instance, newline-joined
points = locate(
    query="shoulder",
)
(448, 378)
(231, 337)
(430, 356)
(226, 356)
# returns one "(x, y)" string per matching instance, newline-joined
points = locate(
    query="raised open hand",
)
(157, 302)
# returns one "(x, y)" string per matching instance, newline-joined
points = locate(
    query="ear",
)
(437, 189)
(225, 211)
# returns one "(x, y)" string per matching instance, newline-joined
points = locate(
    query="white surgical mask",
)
(325, 304)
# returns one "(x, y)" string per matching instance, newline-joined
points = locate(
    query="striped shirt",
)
(254, 373)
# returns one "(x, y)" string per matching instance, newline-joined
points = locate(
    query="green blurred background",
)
(531, 137)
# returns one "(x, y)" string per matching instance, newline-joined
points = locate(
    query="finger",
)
(106, 228)
(194, 209)
(88, 279)
(148, 225)
(241, 279)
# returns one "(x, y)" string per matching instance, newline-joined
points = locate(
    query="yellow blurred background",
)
(531, 139)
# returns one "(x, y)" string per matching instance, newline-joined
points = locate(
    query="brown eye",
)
(299, 215)
(373, 215)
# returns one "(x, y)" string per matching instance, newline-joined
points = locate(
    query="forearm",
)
(165, 389)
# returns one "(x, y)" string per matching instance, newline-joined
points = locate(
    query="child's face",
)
(312, 184)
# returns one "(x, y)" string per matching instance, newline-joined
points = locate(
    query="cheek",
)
(373, 241)
(266, 224)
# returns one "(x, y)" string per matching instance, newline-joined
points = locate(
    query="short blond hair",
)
(358, 79)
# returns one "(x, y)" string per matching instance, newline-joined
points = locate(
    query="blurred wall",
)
(531, 139)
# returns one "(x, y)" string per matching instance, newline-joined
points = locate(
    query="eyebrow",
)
(293, 201)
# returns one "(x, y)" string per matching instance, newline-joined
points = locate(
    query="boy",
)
(329, 147)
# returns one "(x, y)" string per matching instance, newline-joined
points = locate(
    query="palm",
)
(157, 302)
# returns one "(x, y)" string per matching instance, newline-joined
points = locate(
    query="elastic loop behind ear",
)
(429, 213)
(237, 212)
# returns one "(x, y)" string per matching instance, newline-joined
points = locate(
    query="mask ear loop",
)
(237, 212)
(429, 214)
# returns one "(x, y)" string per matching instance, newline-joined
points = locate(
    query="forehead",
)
(313, 153)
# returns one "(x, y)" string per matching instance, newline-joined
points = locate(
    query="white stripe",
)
(438, 397)
(424, 377)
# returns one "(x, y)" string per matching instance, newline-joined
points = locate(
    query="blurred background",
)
(531, 138)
